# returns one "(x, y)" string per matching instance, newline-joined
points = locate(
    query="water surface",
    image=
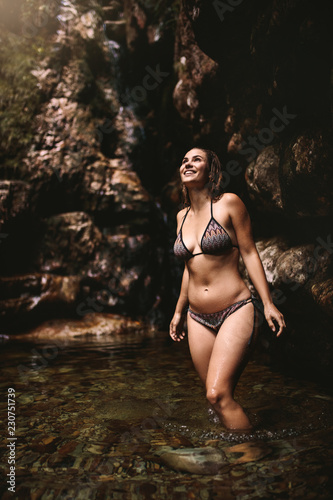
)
(92, 416)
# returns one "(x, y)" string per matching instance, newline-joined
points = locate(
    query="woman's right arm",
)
(176, 326)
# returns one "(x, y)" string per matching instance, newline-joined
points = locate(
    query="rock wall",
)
(271, 64)
(80, 233)
(105, 98)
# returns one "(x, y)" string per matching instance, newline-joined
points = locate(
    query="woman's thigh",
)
(231, 349)
(201, 341)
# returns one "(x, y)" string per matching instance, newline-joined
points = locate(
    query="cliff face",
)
(80, 232)
(100, 100)
(265, 66)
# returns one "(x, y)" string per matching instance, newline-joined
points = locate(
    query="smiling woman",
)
(215, 228)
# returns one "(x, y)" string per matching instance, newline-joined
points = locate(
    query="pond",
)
(97, 417)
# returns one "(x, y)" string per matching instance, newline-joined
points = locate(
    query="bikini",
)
(215, 241)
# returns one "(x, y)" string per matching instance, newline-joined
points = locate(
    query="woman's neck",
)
(198, 199)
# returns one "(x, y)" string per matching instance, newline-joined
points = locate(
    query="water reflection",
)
(98, 418)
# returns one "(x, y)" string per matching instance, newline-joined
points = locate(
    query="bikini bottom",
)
(215, 320)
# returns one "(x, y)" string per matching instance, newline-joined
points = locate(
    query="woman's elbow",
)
(248, 252)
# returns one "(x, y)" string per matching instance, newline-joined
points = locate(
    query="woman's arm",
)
(183, 300)
(242, 226)
(176, 326)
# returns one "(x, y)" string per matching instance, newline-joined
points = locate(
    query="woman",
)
(213, 230)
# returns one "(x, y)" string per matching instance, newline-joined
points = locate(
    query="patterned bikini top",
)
(215, 240)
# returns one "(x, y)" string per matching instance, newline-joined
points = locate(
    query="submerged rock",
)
(195, 460)
(95, 324)
(247, 452)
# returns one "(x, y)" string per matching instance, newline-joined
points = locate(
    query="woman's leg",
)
(201, 341)
(228, 359)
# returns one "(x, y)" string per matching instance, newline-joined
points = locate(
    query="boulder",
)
(322, 293)
(14, 201)
(110, 186)
(195, 460)
(307, 174)
(68, 242)
(93, 324)
(263, 183)
(270, 250)
(26, 296)
(296, 269)
(197, 81)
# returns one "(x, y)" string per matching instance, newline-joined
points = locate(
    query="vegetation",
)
(19, 96)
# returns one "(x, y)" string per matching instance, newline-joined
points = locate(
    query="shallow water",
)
(93, 415)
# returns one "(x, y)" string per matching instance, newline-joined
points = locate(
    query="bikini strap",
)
(181, 227)
(211, 208)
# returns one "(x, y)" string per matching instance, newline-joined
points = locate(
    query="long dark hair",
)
(215, 178)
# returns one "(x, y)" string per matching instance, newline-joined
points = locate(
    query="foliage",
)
(19, 95)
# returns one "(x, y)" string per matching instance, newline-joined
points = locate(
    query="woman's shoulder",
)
(231, 204)
(181, 213)
(230, 199)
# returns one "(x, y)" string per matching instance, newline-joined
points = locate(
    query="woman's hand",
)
(176, 330)
(272, 313)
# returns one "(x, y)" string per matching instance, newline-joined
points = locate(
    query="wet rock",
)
(136, 20)
(110, 186)
(69, 241)
(113, 11)
(23, 295)
(322, 293)
(247, 452)
(95, 324)
(196, 78)
(116, 30)
(296, 266)
(195, 460)
(270, 250)
(14, 201)
(295, 271)
(307, 174)
(124, 273)
(25, 399)
(262, 176)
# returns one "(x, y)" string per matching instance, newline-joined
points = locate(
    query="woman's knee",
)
(219, 395)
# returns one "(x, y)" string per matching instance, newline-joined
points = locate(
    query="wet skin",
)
(212, 283)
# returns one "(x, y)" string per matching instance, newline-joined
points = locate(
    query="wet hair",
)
(215, 178)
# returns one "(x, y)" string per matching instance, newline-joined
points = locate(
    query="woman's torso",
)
(212, 256)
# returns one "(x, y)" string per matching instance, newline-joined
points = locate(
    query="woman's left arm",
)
(242, 226)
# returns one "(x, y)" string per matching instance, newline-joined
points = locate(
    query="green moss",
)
(23, 43)
(19, 94)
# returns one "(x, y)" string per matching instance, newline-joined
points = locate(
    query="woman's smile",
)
(194, 164)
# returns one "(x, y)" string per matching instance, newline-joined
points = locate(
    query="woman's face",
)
(194, 168)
